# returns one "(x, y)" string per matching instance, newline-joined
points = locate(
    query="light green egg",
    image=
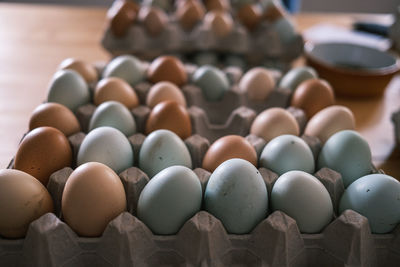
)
(126, 67)
(296, 76)
(212, 81)
(285, 30)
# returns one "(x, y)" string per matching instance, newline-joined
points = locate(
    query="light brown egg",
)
(171, 116)
(313, 95)
(92, 197)
(329, 121)
(86, 70)
(115, 89)
(228, 147)
(23, 199)
(250, 15)
(54, 115)
(274, 12)
(217, 5)
(121, 16)
(163, 91)
(154, 19)
(167, 68)
(43, 151)
(273, 122)
(189, 14)
(257, 83)
(221, 23)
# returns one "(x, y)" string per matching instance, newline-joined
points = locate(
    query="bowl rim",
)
(387, 70)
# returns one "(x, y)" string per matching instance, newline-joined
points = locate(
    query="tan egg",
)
(274, 12)
(167, 68)
(229, 147)
(121, 16)
(43, 151)
(313, 95)
(86, 70)
(115, 89)
(273, 122)
(250, 16)
(23, 199)
(217, 5)
(329, 121)
(190, 14)
(54, 115)
(163, 91)
(219, 22)
(154, 19)
(257, 83)
(93, 196)
(171, 116)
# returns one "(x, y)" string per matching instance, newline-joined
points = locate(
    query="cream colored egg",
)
(163, 91)
(219, 22)
(257, 83)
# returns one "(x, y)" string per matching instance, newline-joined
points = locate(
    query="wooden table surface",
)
(34, 39)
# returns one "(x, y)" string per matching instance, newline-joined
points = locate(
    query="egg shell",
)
(162, 149)
(212, 82)
(296, 76)
(285, 30)
(220, 23)
(43, 151)
(23, 199)
(273, 11)
(304, 198)
(154, 19)
(106, 145)
(237, 195)
(329, 121)
(54, 115)
(228, 147)
(287, 153)
(86, 70)
(249, 15)
(377, 197)
(167, 68)
(92, 197)
(348, 153)
(125, 67)
(113, 114)
(169, 199)
(273, 122)
(171, 116)
(163, 91)
(68, 88)
(189, 14)
(257, 83)
(116, 89)
(122, 15)
(217, 5)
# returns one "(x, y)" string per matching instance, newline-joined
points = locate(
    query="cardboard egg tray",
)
(396, 121)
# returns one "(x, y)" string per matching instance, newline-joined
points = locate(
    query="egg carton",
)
(396, 121)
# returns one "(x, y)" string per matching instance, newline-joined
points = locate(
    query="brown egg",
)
(274, 12)
(273, 122)
(163, 91)
(116, 89)
(154, 19)
(122, 15)
(92, 197)
(313, 95)
(86, 70)
(218, 5)
(190, 14)
(257, 83)
(54, 115)
(219, 22)
(171, 116)
(229, 147)
(250, 16)
(43, 151)
(167, 68)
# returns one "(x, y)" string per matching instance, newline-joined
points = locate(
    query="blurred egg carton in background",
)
(396, 121)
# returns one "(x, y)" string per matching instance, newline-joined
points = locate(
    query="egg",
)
(273, 10)
(54, 115)
(116, 89)
(162, 149)
(296, 76)
(257, 83)
(189, 14)
(284, 28)
(273, 122)
(125, 67)
(228, 147)
(329, 121)
(237, 195)
(249, 15)
(212, 82)
(165, 5)
(313, 95)
(348, 153)
(106, 145)
(167, 68)
(219, 22)
(23, 199)
(377, 197)
(163, 91)
(43, 151)
(304, 198)
(113, 114)
(68, 88)
(93, 196)
(169, 199)
(86, 70)
(122, 15)
(154, 19)
(216, 4)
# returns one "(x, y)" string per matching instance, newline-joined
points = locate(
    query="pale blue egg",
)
(126, 67)
(285, 30)
(296, 76)
(212, 81)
